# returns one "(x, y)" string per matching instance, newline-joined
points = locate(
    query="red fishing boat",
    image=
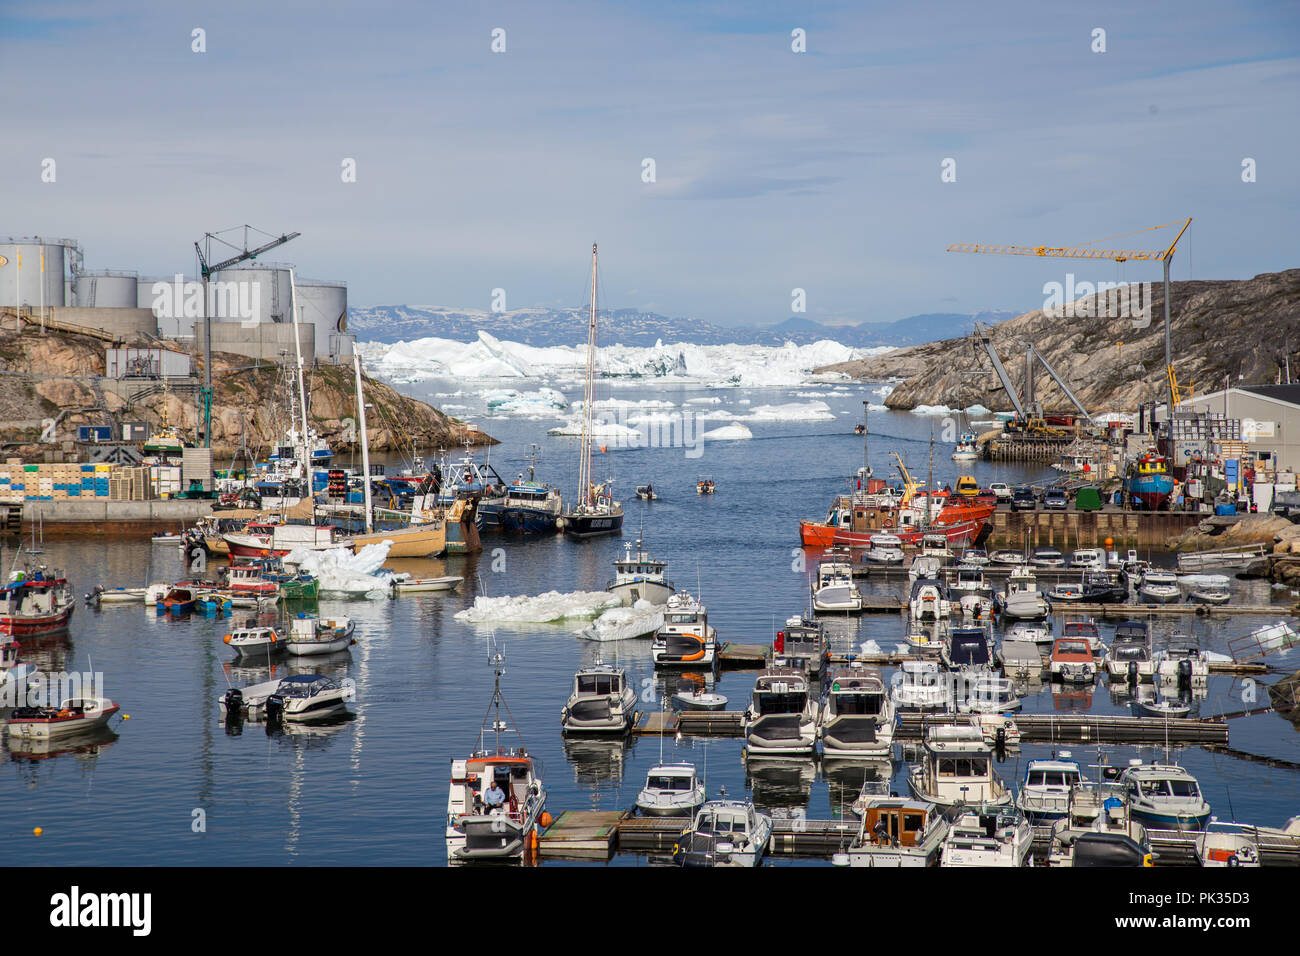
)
(35, 602)
(873, 509)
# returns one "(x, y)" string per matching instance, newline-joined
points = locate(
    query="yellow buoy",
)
(126, 716)
(37, 831)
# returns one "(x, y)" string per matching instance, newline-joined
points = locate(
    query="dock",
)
(582, 835)
(733, 656)
(1088, 729)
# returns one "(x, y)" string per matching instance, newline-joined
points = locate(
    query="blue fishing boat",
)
(528, 507)
(1147, 482)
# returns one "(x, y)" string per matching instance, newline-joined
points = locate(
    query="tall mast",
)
(365, 441)
(866, 462)
(584, 461)
(302, 393)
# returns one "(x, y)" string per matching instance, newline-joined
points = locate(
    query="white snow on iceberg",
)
(545, 608)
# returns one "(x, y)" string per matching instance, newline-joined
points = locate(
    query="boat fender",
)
(546, 819)
(226, 639)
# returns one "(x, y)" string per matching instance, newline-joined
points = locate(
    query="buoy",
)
(546, 819)
(602, 449)
(1109, 543)
(126, 716)
(37, 831)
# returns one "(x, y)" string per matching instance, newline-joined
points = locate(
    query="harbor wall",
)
(102, 518)
(1067, 530)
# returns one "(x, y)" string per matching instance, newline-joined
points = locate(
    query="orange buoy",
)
(226, 638)
(1109, 542)
(546, 819)
(602, 449)
(37, 831)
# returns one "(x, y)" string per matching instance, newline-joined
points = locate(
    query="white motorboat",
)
(897, 832)
(928, 602)
(885, 549)
(256, 643)
(857, 715)
(1072, 661)
(496, 799)
(992, 695)
(999, 731)
(976, 556)
(967, 449)
(782, 715)
(301, 697)
(699, 699)
(975, 608)
(1007, 558)
(685, 639)
(1215, 594)
(996, 835)
(1044, 795)
(1130, 660)
(421, 585)
(1035, 632)
(1021, 600)
(1093, 808)
(1159, 587)
(936, 545)
(1151, 703)
(74, 715)
(639, 577)
(802, 643)
(919, 685)
(1228, 844)
(1088, 559)
(670, 790)
(1181, 661)
(1164, 796)
(309, 635)
(1047, 558)
(956, 768)
(927, 638)
(724, 833)
(833, 589)
(968, 649)
(924, 566)
(103, 595)
(601, 702)
(969, 579)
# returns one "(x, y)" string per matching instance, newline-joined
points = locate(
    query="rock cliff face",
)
(55, 376)
(1219, 327)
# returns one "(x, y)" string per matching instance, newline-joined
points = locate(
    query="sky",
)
(774, 170)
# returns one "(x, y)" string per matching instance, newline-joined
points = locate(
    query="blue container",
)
(89, 468)
(1225, 509)
(74, 492)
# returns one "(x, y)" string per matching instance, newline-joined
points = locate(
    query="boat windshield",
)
(1170, 788)
(599, 683)
(668, 783)
(963, 766)
(679, 618)
(720, 823)
(1073, 647)
(867, 705)
(772, 702)
(1052, 778)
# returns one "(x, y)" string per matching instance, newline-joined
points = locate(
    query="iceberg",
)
(548, 608)
(598, 430)
(792, 412)
(543, 403)
(344, 574)
(625, 623)
(733, 432)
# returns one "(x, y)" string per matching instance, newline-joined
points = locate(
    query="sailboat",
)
(595, 511)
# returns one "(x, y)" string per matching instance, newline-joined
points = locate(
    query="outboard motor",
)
(1132, 672)
(234, 704)
(274, 711)
(1000, 742)
(1184, 674)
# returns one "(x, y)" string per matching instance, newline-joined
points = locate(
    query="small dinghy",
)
(103, 595)
(698, 699)
(164, 538)
(419, 585)
(212, 602)
(74, 715)
(1163, 707)
(310, 636)
(646, 493)
(1210, 592)
(303, 697)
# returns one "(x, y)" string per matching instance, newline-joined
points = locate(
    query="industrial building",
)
(1269, 417)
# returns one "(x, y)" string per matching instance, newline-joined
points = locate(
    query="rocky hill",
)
(56, 376)
(1219, 327)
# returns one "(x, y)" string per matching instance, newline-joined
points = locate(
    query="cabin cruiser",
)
(935, 546)
(1047, 558)
(1044, 795)
(1228, 844)
(857, 715)
(1104, 587)
(782, 715)
(834, 589)
(310, 636)
(1093, 808)
(254, 642)
(897, 832)
(885, 549)
(1159, 587)
(685, 639)
(921, 686)
(1164, 796)
(1182, 661)
(299, 698)
(74, 715)
(968, 649)
(956, 768)
(969, 580)
(1072, 660)
(1021, 601)
(802, 644)
(601, 702)
(670, 790)
(639, 577)
(496, 798)
(1035, 632)
(1130, 661)
(967, 449)
(992, 695)
(1091, 559)
(995, 835)
(1007, 558)
(724, 833)
(929, 601)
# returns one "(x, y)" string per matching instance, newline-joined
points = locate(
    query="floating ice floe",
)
(611, 430)
(792, 412)
(551, 607)
(714, 400)
(344, 574)
(932, 410)
(733, 432)
(542, 403)
(871, 647)
(625, 623)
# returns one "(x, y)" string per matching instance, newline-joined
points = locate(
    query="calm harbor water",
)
(373, 789)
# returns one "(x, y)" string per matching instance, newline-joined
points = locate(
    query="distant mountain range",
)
(541, 327)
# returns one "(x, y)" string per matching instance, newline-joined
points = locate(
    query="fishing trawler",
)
(35, 602)
(595, 512)
(496, 799)
(1147, 481)
(528, 507)
(639, 577)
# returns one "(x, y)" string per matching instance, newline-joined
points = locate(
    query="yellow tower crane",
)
(1119, 255)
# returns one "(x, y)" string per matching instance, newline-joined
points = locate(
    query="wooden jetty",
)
(1088, 729)
(1139, 610)
(733, 656)
(582, 835)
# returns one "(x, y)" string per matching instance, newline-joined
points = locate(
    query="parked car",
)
(1001, 490)
(1054, 499)
(967, 486)
(1022, 499)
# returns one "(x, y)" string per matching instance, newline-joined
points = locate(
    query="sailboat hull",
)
(592, 526)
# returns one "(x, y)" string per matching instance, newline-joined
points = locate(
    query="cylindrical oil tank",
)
(22, 286)
(108, 290)
(324, 303)
(252, 294)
